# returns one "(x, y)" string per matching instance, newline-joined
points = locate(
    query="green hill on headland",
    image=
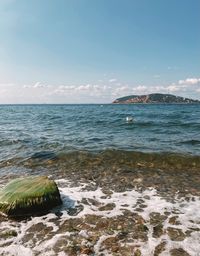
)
(154, 98)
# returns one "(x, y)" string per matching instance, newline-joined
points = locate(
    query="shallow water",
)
(95, 222)
(127, 188)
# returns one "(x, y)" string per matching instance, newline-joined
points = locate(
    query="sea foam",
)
(186, 211)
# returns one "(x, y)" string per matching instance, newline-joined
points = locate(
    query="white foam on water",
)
(16, 250)
(187, 212)
(62, 254)
(119, 199)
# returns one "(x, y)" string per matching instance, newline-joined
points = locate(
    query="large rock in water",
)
(28, 196)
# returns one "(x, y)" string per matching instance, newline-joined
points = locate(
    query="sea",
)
(128, 187)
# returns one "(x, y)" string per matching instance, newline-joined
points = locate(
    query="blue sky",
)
(93, 51)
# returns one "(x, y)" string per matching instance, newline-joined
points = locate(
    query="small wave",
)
(9, 142)
(44, 155)
(109, 158)
(191, 142)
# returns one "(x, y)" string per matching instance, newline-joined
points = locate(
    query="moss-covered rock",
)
(28, 196)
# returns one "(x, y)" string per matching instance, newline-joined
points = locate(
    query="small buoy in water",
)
(129, 119)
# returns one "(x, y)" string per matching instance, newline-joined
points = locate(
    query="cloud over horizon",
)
(91, 92)
(189, 81)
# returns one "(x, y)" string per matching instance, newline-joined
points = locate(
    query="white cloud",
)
(173, 88)
(128, 90)
(81, 92)
(66, 87)
(182, 87)
(112, 80)
(140, 88)
(86, 87)
(121, 90)
(36, 85)
(189, 81)
(40, 92)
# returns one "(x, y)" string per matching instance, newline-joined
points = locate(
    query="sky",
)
(94, 51)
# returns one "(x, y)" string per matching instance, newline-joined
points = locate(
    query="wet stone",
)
(87, 250)
(174, 220)
(156, 218)
(94, 220)
(72, 249)
(75, 211)
(93, 202)
(188, 233)
(147, 197)
(159, 249)
(71, 225)
(125, 205)
(194, 229)
(157, 230)
(140, 232)
(179, 252)
(121, 235)
(137, 253)
(139, 210)
(140, 201)
(61, 244)
(85, 201)
(102, 224)
(111, 243)
(175, 234)
(142, 205)
(107, 207)
(38, 231)
(143, 228)
(108, 192)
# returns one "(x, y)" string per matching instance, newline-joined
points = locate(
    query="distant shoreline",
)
(155, 98)
(64, 104)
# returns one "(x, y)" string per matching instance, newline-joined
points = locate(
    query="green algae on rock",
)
(28, 196)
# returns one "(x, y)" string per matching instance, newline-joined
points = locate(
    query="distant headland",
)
(154, 98)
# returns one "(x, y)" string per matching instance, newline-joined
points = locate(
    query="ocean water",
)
(28, 129)
(127, 187)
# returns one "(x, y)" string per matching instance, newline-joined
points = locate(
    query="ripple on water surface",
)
(63, 124)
